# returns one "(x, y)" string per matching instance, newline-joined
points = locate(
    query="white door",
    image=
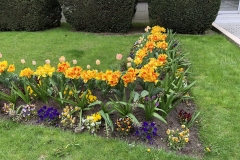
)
(230, 6)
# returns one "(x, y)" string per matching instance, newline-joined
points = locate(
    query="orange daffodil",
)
(130, 76)
(111, 77)
(73, 72)
(63, 66)
(148, 74)
(156, 40)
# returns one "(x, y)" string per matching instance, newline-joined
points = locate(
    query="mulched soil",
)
(194, 148)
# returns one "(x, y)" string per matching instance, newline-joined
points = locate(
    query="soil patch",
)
(194, 148)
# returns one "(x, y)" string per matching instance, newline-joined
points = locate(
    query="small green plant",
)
(125, 107)
(177, 139)
(151, 107)
(10, 98)
(41, 87)
(105, 112)
(124, 126)
(22, 91)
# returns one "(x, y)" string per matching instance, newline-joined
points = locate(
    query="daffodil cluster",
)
(178, 138)
(92, 122)
(68, 116)
(110, 77)
(45, 70)
(90, 98)
(130, 76)
(153, 42)
(26, 72)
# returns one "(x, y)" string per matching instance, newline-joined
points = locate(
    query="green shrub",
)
(183, 16)
(99, 15)
(29, 15)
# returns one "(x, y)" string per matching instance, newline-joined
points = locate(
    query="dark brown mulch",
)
(194, 148)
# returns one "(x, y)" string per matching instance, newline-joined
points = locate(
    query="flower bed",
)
(131, 100)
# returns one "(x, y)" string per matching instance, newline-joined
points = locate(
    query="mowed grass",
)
(24, 142)
(215, 67)
(63, 41)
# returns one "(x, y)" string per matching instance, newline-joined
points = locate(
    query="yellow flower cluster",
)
(44, 71)
(87, 75)
(7, 108)
(94, 117)
(90, 98)
(155, 40)
(179, 72)
(11, 68)
(30, 91)
(3, 66)
(176, 138)
(130, 76)
(141, 53)
(26, 72)
(67, 116)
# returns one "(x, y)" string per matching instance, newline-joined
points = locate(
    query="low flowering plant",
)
(146, 131)
(68, 116)
(8, 108)
(25, 112)
(28, 111)
(92, 122)
(184, 117)
(124, 126)
(177, 139)
(48, 114)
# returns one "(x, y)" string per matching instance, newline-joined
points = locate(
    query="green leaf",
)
(159, 117)
(133, 117)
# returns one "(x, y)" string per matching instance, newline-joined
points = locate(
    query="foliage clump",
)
(99, 15)
(28, 15)
(184, 16)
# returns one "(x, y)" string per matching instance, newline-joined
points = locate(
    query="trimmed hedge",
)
(183, 16)
(29, 15)
(99, 15)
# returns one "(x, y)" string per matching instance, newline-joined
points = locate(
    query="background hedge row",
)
(99, 15)
(29, 15)
(184, 16)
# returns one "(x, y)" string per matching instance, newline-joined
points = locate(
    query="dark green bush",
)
(99, 15)
(183, 16)
(29, 15)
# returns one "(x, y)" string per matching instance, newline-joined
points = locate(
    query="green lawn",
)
(215, 67)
